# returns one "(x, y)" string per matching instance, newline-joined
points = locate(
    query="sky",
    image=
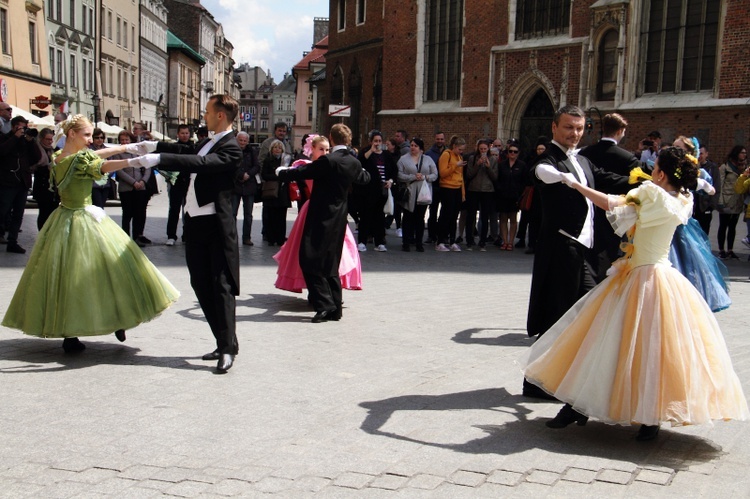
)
(271, 34)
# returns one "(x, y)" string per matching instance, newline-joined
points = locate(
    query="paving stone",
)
(542, 477)
(655, 477)
(230, 487)
(507, 478)
(426, 482)
(93, 475)
(614, 476)
(467, 478)
(187, 488)
(579, 475)
(389, 482)
(174, 474)
(352, 480)
(310, 483)
(139, 472)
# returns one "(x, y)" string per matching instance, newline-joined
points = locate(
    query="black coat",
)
(564, 209)
(325, 225)
(214, 183)
(609, 157)
(251, 167)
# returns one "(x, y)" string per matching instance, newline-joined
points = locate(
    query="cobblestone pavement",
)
(415, 393)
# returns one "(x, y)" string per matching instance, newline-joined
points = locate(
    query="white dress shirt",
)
(550, 175)
(191, 201)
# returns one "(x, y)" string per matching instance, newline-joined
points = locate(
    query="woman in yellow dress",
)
(85, 276)
(643, 346)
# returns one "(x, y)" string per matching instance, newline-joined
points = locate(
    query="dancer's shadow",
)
(673, 449)
(271, 307)
(506, 337)
(46, 355)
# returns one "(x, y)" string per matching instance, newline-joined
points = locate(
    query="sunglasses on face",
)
(99, 137)
(512, 151)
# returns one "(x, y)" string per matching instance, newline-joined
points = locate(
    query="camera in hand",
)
(30, 132)
(649, 143)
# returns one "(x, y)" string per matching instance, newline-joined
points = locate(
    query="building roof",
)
(317, 76)
(289, 84)
(316, 55)
(174, 43)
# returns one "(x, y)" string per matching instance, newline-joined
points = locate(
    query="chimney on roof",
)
(320, 29)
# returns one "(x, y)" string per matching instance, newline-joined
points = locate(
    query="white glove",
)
(703, 185)
(569, 179)
(148, 161)
(141, 148)
(281, 169)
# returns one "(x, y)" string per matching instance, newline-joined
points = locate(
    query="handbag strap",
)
(419, 166)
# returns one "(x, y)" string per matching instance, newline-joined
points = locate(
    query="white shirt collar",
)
(338, 148)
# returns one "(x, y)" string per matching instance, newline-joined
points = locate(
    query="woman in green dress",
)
(85, 276)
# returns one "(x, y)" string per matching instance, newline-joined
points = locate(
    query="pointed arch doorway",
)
(536, 121)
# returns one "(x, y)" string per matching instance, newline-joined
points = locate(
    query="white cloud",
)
(272, 35)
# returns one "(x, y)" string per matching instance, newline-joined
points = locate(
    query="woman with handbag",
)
(510, 186)
(382, 169)
(417, 171)
(731, 204)
(275, 195)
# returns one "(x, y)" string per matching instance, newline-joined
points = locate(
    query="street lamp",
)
(95, 100)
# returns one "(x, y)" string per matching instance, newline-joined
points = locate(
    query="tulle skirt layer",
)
(86, 277)
(289, 274)
(690, 253)
(642, 347)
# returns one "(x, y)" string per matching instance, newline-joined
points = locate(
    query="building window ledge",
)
(685, 101)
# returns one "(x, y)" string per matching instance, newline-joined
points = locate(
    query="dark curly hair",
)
(680, 167)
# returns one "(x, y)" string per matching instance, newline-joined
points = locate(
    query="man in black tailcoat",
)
(610, 157)
(562, 264)
(325, 225)
(210, 231)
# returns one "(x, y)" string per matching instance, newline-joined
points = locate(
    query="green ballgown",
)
(85, 276)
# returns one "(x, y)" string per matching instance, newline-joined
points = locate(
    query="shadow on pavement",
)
(46, 355)
(671, 449)
(510, 337)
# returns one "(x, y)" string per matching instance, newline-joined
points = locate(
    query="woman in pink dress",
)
(289, 272)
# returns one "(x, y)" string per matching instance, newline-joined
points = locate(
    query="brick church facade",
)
(500, 69)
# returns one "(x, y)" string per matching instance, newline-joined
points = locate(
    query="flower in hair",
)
(307, 149)
(692, 159)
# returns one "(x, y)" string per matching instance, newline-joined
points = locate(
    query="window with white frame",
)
(125, 34)
(361, 8)
(32, 43)
(341, 15)
(540, 18)
(4, 40)
(73, 67)
(680, 43)
(443, 50)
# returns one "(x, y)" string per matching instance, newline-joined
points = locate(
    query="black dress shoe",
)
(420, 249)
(326, 316)
(534, 391)
(15, 248)
(215, 355)
(566, 416)
(120, 335)
(647, 432)
(225, 363)
(73, 345)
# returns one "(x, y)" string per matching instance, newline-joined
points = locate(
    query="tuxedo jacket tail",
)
(214, 182)
(325, 226)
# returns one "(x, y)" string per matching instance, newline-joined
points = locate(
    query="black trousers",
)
(177, 195)
(413, 225)
(483, 202)
(210, 279)
(325, 292)
(450, 201)
(134, 205)
(372, 220)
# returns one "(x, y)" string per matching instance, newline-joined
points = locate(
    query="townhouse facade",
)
(154, 65)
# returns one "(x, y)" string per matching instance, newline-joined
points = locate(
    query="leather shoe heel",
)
(225, 363)
(566, 416)
(647, 432)
(215, 355)
(120, 335)
(326, 316)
